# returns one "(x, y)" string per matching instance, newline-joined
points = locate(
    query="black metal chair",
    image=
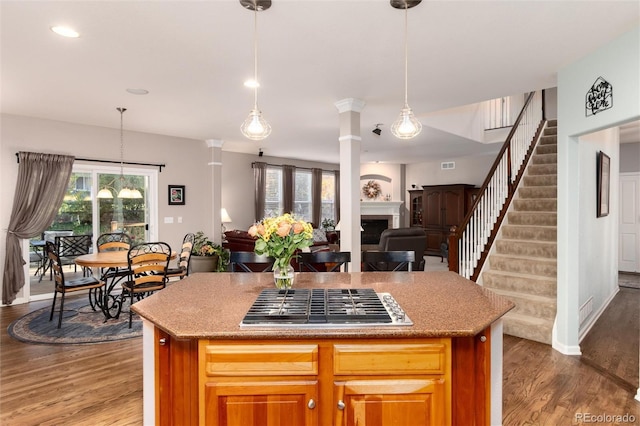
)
(148, 263)
(182, 268)
(308, 262)
(388, 260)
(248, 261)
(63, 286)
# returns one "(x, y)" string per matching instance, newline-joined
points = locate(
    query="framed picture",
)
(176, 195)
(603, 166)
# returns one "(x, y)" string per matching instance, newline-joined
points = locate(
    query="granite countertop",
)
(212, 305)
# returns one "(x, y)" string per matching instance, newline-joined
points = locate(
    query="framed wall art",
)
(176, 195)
(603, 167)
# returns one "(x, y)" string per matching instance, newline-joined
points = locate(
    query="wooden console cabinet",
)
(437, 208)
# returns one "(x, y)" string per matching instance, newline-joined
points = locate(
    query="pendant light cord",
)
(255, 55)
(121, 110)
(406, 54)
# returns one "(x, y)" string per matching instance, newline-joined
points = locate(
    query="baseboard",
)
(561, 347)
(594, 318)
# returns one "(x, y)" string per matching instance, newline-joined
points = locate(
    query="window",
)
(328, 210)
(273, 204)
(302, 202)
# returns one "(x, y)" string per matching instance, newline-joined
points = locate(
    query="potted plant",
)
(328, 224)
(206, 256)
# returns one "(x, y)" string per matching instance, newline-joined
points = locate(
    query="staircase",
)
(523, 267)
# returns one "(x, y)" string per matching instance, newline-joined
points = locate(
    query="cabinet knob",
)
(311, 404)
(483, 338)
(341, 405)
(162, 341)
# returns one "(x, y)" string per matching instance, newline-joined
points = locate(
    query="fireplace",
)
(372, 230)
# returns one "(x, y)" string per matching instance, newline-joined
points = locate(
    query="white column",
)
(350, 141)
(215, 146)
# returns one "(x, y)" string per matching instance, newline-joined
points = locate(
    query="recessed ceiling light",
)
(138, 91)
(251, 83)
(65, 31)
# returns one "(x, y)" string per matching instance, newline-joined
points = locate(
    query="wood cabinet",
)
(442, 206)
(416, 207)
(327, 382)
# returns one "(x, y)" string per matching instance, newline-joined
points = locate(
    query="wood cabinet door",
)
(432, 207)
(391, 402)
(453, 204)
(277, 403)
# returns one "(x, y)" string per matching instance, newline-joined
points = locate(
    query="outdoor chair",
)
(248, 261)
(63, 286)
(309, 262)
(182, 269)
(388, 260)
(148, 264)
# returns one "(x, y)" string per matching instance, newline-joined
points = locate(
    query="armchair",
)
(402, 239)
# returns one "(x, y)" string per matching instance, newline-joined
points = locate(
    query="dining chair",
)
(148, 263)
(308, 262)
(388, 260)
(248, 261)
(64, 286)
(113, 241)
(182, 268)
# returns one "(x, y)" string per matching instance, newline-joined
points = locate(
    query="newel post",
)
(453, 250)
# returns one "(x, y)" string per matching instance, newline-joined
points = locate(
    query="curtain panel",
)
(288, 187)
(42, 183)
(316, 197)
(260, 178)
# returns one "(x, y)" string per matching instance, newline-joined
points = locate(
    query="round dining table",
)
(108, 262)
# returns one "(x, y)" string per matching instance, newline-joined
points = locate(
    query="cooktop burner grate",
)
(330, 307)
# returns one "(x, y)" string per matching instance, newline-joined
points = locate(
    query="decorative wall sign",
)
(599, 98)
(176, 195)
(603, 165)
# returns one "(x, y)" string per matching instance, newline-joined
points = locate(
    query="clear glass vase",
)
(283, 277)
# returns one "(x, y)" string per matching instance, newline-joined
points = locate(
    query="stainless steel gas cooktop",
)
(324, 308)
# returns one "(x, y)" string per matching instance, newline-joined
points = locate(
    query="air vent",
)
(449, 165)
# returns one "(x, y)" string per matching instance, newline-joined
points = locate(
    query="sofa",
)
(401, 239)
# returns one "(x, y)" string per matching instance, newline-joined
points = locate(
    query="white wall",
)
(598, 270)
(186, 164)
(470, 170)
(618, 62)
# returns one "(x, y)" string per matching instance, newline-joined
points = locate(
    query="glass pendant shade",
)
(135, 193)
(255, 127)
(125, 193)
(104, 193)
(406, 126)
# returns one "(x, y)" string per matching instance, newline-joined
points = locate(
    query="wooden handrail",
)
(495, 194)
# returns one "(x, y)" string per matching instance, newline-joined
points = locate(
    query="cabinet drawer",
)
(390, 359)
(262, 360)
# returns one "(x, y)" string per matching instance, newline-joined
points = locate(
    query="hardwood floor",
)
(101, 384)
(98, 384)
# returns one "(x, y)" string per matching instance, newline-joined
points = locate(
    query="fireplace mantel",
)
(382, 208)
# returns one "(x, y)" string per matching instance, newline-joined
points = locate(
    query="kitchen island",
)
(201, 367)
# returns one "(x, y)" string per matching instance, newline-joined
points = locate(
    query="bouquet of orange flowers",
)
(280, 237)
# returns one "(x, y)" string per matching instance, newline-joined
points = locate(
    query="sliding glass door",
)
(95, 204)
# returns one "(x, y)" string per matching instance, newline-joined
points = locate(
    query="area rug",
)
(629, 280)
(80, 325)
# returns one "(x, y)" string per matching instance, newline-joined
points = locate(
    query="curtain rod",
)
(159, 166)
(297, 167)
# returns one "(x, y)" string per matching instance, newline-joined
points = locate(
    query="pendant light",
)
(406, 126)
(255, 127)
(125, 192)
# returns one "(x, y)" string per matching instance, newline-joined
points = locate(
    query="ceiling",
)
(193, 57)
